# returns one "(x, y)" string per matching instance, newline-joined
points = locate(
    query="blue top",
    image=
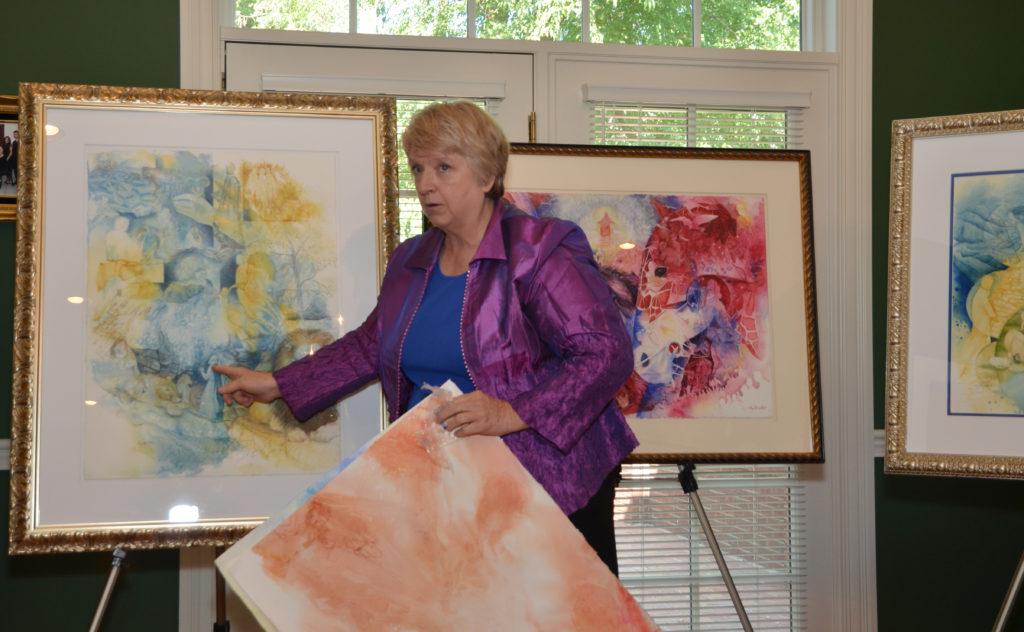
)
(432, 352)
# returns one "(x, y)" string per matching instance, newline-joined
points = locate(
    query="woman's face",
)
(448, 187)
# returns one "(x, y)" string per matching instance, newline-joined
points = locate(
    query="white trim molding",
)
(5, 454)
(202, 60)
(852, 445)
(196, 589)
(594, 93)
(383, 85)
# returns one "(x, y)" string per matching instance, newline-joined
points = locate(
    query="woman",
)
(511, 307)
(7, 165)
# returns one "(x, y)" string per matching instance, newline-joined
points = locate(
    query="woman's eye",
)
(415, 168)
(444, 167)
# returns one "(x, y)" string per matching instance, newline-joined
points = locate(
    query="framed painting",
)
(161, 232)
(476, 528)
(955, 328)
(709, 256)
(10, 144)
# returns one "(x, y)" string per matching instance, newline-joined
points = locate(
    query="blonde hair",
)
(460, 127)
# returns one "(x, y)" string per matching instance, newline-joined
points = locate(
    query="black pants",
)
(596, 523)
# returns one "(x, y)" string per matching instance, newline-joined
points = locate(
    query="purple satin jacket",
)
(538, 330)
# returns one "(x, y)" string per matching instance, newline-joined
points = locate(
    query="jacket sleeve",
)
(569, 303)
(315, 382)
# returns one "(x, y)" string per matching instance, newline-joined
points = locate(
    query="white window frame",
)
(817, 21)
(841, 548)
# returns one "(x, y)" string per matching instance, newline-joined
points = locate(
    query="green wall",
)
(115, 42)
(946, 547)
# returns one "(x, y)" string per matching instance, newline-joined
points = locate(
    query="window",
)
(754, 24)
(676, 96)
(758, 516)
(751, 128)
(757, 511)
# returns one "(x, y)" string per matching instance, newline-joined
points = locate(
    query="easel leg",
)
(689, 484)
(115, 568)
(1011, 596)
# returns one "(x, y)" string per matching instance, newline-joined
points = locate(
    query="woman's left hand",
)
(478, 413)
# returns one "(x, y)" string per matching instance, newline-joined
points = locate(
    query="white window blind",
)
(758, 515)
(758, 512)
(695, 126)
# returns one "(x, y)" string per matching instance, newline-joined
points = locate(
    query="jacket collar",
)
(492, 246)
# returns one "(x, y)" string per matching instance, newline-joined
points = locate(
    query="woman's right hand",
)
(247, 386)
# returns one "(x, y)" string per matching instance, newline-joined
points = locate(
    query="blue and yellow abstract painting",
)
(198, 258)
(986, 292)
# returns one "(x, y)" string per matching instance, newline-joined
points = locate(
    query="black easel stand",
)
(1011, 596)
(689, 485)
(115, 568)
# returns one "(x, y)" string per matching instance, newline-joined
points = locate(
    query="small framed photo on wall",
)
(10, 145)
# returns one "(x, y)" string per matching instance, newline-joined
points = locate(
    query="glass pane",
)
(634, 125)
(557, 20)
(761, 24)
(660, 22)
(438, 18)
(294, 15)
(750, 129)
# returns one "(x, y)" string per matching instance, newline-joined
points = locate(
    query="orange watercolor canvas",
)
(422, 531)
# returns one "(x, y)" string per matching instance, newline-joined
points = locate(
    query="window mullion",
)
(585, 21)
(696, 23)
(691, 123)
(228, 11)
(470, 19)
(353, 16)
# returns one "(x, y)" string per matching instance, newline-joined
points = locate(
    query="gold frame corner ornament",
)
(898, 459)
(26, 534)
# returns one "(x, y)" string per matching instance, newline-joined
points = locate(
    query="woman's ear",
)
(488, 183)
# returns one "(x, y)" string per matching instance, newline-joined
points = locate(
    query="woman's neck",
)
(461, 243)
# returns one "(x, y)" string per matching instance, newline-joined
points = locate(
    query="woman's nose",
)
(424, 183)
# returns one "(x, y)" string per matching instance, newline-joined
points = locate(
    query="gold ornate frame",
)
(898, 460)
(809, 449)
(8, 111)
(26, 534)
